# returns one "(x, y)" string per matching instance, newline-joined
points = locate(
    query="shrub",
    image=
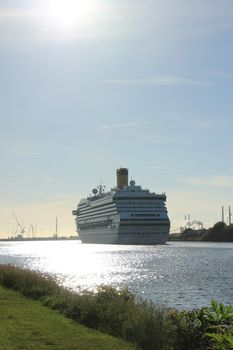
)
(195, 330)
(188, 331)
(29, 283)
(221, 341)
(218, 314)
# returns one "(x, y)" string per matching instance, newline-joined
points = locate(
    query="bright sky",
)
(87, 86)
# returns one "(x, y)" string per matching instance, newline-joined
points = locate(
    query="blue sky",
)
(88, 86)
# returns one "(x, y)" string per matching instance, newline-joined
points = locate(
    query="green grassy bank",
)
(117, 313)
(26, 324)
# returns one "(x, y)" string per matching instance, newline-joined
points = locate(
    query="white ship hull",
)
(104, 236)
(109, 236)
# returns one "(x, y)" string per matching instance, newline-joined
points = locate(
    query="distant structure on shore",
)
(195, 225)
(193, 230)
(31, 232)
(229, 215)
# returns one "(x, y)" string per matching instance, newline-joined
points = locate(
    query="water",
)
(178, 274)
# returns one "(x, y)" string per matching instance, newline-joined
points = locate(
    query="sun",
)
(71, 15)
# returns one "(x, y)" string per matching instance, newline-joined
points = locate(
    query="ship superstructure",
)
(127, 214)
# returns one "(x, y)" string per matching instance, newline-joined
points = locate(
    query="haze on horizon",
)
(88, 86)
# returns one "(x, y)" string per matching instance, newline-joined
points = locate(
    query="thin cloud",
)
(20, 14)
(223, 75)
(162, 168)
(217, 181)
(21, 150)
(156, 81)
(176, 141)
(122, 125)
(202, 124)
(197, 121)
(202, 18)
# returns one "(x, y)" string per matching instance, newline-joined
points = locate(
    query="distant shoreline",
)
(220, 232)
(39, 239)
(170, 239)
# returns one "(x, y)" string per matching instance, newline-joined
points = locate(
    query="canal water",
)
(185, 275)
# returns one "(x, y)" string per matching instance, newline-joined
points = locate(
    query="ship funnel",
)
(122, 177)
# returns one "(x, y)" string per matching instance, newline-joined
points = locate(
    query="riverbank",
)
(220, 232)
(25, 239)
(26, 324)
(117, 313)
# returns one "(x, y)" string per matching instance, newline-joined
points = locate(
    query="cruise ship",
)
(127, 214)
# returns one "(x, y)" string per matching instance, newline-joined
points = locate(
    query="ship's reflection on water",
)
(182, 275)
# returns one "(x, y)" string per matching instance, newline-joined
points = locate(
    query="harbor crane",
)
(20, 225)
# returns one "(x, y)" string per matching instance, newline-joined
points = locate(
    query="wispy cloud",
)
(20, 150)
(197, 121)
(156, 81)
(202, 124)
(217, 181)
(176, 141)
(20, 12)
(162, 168)
(19, 15)
(202, 18)
(223, 75)
(122, 125)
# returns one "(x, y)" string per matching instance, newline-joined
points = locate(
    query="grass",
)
(26, 324)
